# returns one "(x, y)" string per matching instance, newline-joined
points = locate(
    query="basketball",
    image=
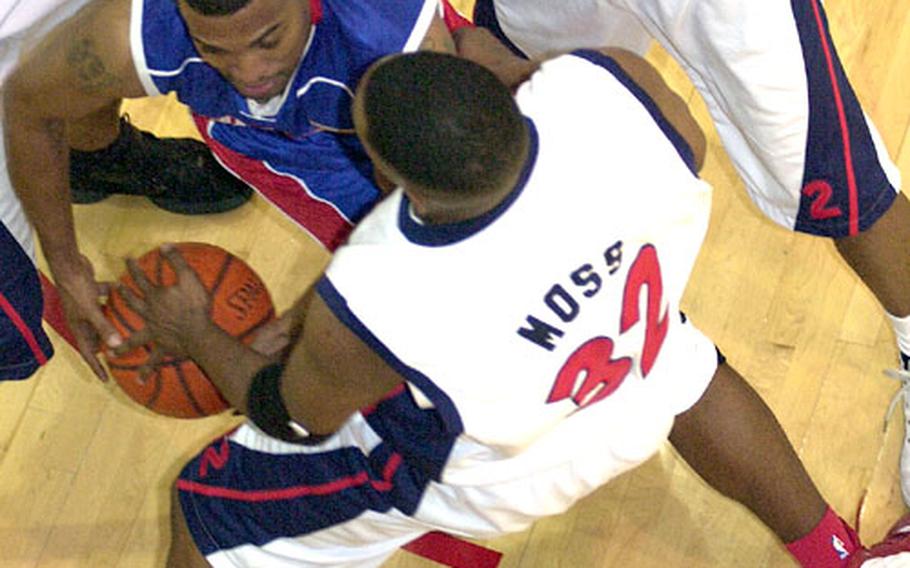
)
(240, 305)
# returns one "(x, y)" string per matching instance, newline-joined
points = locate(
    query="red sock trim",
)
(828, 545)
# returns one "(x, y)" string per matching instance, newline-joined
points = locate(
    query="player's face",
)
(257, 48)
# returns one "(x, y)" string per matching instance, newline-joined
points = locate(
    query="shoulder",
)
(605, 85)
(86, 58)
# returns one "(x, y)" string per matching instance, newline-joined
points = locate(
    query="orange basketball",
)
(240, 306)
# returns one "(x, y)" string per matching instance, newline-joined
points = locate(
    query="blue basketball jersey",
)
(306, 133)
(346, 37)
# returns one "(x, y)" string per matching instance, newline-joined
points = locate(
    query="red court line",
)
(454, 552)
(436, 546)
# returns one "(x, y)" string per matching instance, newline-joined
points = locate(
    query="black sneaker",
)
(177, 174)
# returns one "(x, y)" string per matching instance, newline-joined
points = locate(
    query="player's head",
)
(255, 44)
(441, 126)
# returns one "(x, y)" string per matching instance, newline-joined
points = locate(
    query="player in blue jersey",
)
(498, 338)
(269, 82)
(785, 111)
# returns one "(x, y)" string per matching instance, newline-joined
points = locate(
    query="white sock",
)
(901, 328)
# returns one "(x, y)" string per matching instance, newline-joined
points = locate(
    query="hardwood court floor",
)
(85, 473)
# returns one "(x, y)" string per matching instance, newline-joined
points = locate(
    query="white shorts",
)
(251, 500)
(771, 78)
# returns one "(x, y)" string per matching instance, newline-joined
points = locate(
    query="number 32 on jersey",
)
(593, 364)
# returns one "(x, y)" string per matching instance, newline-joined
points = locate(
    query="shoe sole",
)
(82, 197)
(203, 208)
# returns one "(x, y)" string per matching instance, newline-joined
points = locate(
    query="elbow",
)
(266, 408)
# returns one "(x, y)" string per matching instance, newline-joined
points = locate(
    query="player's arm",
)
(327, 375)
(82, 66)
(671, 105)
(438, 37)
(483, 48)
(331, 373)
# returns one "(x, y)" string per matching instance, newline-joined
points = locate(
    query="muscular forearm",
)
(228, 363)
(37, 164)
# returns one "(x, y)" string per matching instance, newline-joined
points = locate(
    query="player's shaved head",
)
(443, 122)
(216, 7)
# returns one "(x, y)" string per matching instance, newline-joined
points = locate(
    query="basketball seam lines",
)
(117, 313)
(187, 391)
(222, 274)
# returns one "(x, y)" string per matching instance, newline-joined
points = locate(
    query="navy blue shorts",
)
(23, 344)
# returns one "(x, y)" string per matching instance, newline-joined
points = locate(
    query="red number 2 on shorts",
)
(594, 359)
(820, 192)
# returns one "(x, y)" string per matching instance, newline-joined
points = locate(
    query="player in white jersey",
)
(23, 344)
(785, 112)
(497, 339)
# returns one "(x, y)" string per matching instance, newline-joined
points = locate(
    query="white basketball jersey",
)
(548, 329)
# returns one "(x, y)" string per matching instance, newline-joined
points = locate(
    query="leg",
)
(734, 442)
(183, 552)
(881, 257)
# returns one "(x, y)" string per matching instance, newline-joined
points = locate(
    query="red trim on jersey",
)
(315, 12)
(454, 552)
(853, 193)
(23, 328)
(322, 220)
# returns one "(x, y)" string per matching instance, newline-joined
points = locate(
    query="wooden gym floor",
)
(84, 472)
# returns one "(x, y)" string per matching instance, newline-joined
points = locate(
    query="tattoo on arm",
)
(92, 75)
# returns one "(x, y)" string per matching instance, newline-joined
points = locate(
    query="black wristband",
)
(266, 408)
